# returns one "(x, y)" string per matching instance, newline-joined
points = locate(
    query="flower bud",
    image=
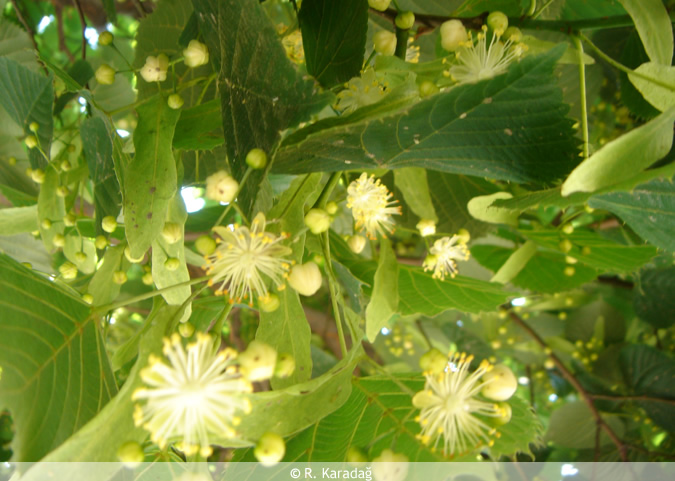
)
(380, 5)
(453, 35)
(105, 38)
(405, 20)
(498, 22)
(80, 257)
(270, 449)
(105, 74)
(205, 245)
(305, 278)
(186, 329)
(11, 160)
(196, 54)
(147, 279)
(499, 383)
(433, 361)
(428, 88)
(119, 277)
(70, 220)
(46, 224)
(514, 34)
(109, 224)
(130, 454)
(565, 245)
(30, 141)
(426, 227)
(65, 166)
(59, 240)
(332, 207)
(155, 68)
(221, 187)
(258, 361)
(68, 270)
(101, 242)
(88, 298)
(172, 232)
(464, 236)
(356, 457)
(256, 159)
(285, 365)
(172, 264)
(175, 101)
(356, 243)
(269, 303)
(385, 42)
(34, 127)
(38, 176)
(62, 191)
(133, 260)
(317, 220)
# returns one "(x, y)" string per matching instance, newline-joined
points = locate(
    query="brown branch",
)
(83, 22)
(632, 398)
(575, 383)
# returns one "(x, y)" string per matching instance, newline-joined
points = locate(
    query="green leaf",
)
(481, 208)
(261, 92)
(625, 157)
(102, 288)
(543, 272)
(660, 97)
(98, 150)
(384, 299)
(110, 12)
(76, 243)
(15, 45)
(150, 180)
(653, 298)
(649, 210)
(649, 372)
(514, 264)
(28, 97)
(18, 219)
(56, 375)
(200, 127)
(334, 38)
(573, 426)
(412, 182)
(488, 129)
(653, 24)
(51, 208)
(605, 255)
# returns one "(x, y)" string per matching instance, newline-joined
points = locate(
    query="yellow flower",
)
(155, 68)
(450, 409)
(221, 187)
(443, 254)
(371, 206)
(197, 394)
(360, 91)
(245, 258)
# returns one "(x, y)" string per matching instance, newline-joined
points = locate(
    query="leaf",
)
(28, 97)
(412, 182)
(16, 220)
(56, 375)
(261, 92)
(200, 127)
(76, 243)
(334, 38)
(385, 297)
(51, 208)
(110, 12)
(649, 210)
(102, 288)
(573, 426)
(604, 255)
(625, 157)
(536, 46)
(653, 24)
(150, 179)
(660, 97)
(481, 208)
(514, 264)
(15, 45)
(653, 298)
(98, 150)
(489, 129)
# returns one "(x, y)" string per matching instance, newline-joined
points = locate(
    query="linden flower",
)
(481, 61)
(449, 409)
(360, 91)
(155, 68)
(199, 393)
(443, 254)
(244, 258)
(372, 210)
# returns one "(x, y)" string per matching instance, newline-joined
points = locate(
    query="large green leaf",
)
(573, 426)
(51, 208)
(334, 38)
(56, 375)
(98, 149)
(200, 127)
(385, 296)
(261, 92)
(413, 184)
(28, 97)
(18, 219)
(653, 297)
(490, 129)
(649, 210)
(653, 24)
(15, 44)
(150, 179)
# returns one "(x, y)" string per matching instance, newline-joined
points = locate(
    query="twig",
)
(632, 398)
(528, 371)
(83, 21)
(575, 383)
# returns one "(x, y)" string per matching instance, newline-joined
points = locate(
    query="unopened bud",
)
(256, 159)
(305, 278)
(317, 220)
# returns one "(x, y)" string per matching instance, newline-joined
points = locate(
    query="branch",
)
(587, 398)
(83, 22)
(632, 398)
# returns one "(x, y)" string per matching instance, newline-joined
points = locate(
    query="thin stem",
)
(80, 12)
(370, 57)
(327, 190)
(620, 398)
(582, 95)
(147, 295)
(622, 67)
(541, 9)
(217, 326)
(532, 8)
(420, 328)
(334, 292)
(587, 398)
(401, 43)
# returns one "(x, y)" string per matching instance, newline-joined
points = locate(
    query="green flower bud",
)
(428, 88)
(130, 454)
(256, 159)
(101, 242)
(105, 38)
(34, 127)
(269, 303)
(453, 35)
(514, 34)
(356, 243)
(186, 330)
(30, 141)
(119, 277)
(499, 383)
(172, 232)
(317, 220)
(70, 220)
(464, 236)
(270, 449)
(385, 42)
(46, 224)
(356, 457)
(205, 245)
(38, 176)
(433, 361)
(59, 240)
(105, 74)
(147, 279)
(380, 5)
(68, 270)
(405, 20)
(568, 228)
(133, 260)
(426, 227)
(175, 101)
(65, 166)
(88, 298)
(285, 365)
(172, 264)
(565, 245)
(109, 224)
(62, 191)
(221, 187)
(258, 361)
(498, 22)
(196, 54)
(569, 271)
(305, 278)
(80, 257)
(332, 207)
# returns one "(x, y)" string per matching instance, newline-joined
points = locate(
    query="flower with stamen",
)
(198, 394)
(480, 60)
(451, 410)
(371, 206)
(443, 254)
(360, 91)
(245, 258)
